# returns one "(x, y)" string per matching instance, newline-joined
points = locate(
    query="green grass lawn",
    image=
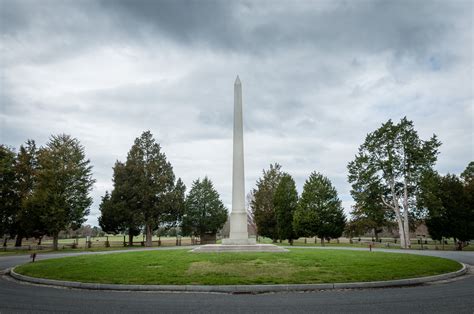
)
(183, 267)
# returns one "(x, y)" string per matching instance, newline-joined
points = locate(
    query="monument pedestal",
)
(223, 248)
(242, 241)
(238, 229)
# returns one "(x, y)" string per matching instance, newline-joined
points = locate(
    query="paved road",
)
(454, 296)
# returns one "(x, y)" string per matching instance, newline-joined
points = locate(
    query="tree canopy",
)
(117, 212)
(144, 193)
(64, 181)
(204, 211)
(262, 205)
(285, 202)
(391, 162)
(151, 183)
(319, 211)
(8, 195)
(27, 220)
(447, 200)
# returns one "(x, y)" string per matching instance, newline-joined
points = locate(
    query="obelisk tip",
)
(237, 81)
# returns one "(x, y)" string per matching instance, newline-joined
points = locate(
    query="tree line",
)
(393, 184)
(44, 190)
(280, 214)
(147, 197)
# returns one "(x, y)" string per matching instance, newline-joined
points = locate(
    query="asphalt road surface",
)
(451, 296)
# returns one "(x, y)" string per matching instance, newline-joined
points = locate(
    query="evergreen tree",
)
(8, 195)
(285, 202)
(150, 180)
(446, 200)
(27, 221)
(178, 206)
(262, 205)
(64, 181)
(468, 182)
(117, 211)
(204, 211)
(319, 211)
(391, 162)
(468, 174)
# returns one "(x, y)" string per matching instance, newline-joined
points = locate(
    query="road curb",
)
(239, 288)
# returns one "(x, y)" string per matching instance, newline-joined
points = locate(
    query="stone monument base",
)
(247, 241)
(221, 248)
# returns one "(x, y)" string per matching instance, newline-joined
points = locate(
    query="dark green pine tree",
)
(285, 201)
(8, 194)
(449, 212)
(468, 181)
(151, 184)
(204, 211)
(27, 221)
(117, 211)
(64, 181)
(319, 211)
(261, 205)
(178, 205)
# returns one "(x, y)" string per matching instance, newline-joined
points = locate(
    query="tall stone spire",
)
(238, 217)
(238, 177)
(238, 240)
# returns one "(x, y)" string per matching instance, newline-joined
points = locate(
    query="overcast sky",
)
(317, 76)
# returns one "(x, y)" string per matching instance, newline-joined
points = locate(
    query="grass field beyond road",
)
(183, 267)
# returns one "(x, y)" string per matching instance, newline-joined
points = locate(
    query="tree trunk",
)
(376, 235)
(405, 213)
(148, 236)
(401, 231)
(19, 239)
(315, 240)
(130, 238)
(322, 242)
(406, 228)
(395, 206)
(5, 239)
(39, 240)
(55, 242)
(274, 241)
(291, 241)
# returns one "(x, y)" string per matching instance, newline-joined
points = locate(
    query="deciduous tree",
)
(369, 213)
(394, 158)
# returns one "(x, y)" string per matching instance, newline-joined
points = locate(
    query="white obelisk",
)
(238, 216)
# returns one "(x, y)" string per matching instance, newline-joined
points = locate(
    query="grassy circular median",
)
(179, 267)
